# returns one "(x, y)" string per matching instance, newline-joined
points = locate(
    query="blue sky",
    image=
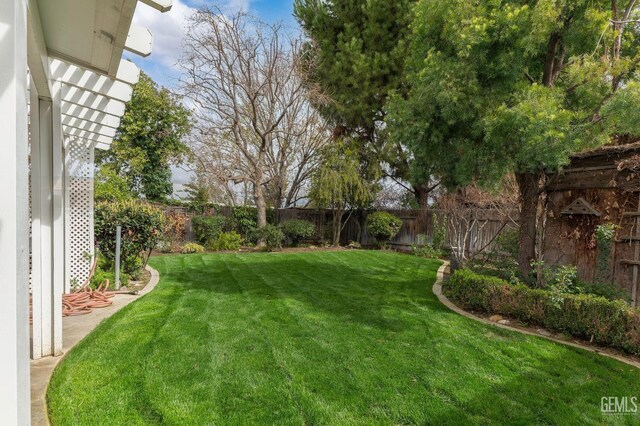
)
(168, 29)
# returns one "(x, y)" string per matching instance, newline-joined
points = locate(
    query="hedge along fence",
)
(609, 323)
(418, 226)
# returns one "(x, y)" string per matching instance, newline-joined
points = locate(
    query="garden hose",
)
(84, 299)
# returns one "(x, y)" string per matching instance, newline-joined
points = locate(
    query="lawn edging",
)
(437, 290)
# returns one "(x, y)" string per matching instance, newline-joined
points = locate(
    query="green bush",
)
(383, 226)
(606, 290)
(244, 219)
(142, 227)
(227, 241)
(606, 322)
(189, 248)
(101, 275)
(270, 234)
(298, 230)
(428, 251)
(207, 229)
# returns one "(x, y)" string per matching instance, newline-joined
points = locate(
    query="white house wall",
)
(14, 215)
(73, 110)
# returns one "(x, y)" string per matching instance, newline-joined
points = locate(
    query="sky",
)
(168, 30)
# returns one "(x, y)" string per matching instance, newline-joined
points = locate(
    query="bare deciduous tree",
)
(255, 125)
(470, 212)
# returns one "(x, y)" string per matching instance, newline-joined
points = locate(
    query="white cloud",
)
(168, 30)
(236, 5)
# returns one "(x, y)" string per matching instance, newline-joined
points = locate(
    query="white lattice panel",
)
(79, 212)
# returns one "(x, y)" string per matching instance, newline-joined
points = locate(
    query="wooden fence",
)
(479, 227)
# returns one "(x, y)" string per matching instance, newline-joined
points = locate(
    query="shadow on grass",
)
(368, 293)
(345, 338)
(478, 374)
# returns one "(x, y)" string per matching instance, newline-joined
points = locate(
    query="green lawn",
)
(353, 337)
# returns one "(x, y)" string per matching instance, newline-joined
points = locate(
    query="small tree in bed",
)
(341, 184)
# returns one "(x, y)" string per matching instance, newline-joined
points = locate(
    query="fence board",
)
(417, 225)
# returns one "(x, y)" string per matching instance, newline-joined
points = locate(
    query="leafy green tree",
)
(110, 186)
(356, 56)
(341, 184)
(149, 139)
(516, 86)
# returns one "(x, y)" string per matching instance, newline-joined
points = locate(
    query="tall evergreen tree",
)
(356, 54)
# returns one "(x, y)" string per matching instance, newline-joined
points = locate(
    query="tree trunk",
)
(421, 192)
(337, 226)
(529, 189)
(261, 205)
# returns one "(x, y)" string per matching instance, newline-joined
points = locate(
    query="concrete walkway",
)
(74, 329)
(437, 290)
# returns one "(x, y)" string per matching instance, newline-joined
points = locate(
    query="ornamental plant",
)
(383, 226)
(142, 226)
(585, 316)
(207, 228)
(190, 248)
(244, 219)
(271, 235)
(298, 230)
(227, 241)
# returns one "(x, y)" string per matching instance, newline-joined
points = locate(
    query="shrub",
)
(427, 251)
(174, 232)
(101, 275)
(230, 241)
(165, 245)
(189, 248)
(298, 230)
(354, 245)
(383, 226)
(606, 290)
(142, 227)
(606, 322)
(270, 234)
(110, 186)
(244, 219)
(207, 228)
(565, 280)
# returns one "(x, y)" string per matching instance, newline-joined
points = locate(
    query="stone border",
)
(437, 290)
(75, 329)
